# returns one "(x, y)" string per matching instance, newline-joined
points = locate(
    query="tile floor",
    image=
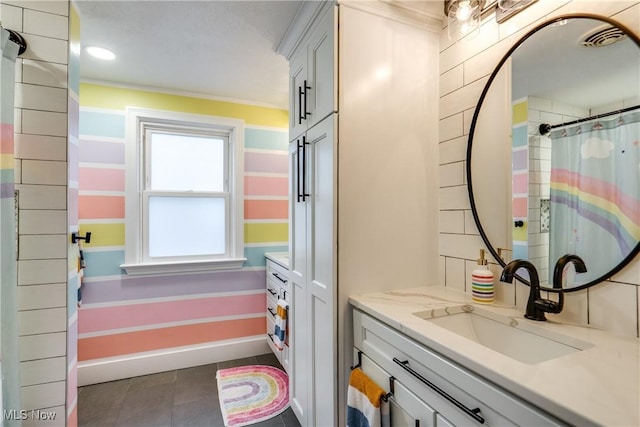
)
(184, 397)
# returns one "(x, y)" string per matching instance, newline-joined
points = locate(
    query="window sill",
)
(151, 268)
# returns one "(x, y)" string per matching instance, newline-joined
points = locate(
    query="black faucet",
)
(536, 305)
(561, 263)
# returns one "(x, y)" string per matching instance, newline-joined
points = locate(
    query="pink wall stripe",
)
(135, 315)
(519, 207)
(93, 207)
(266, 186)
(6, 138)
(266, 209)
(520, 183)
(72, 382)
(98, 179)
(266, 163)
(174, 336)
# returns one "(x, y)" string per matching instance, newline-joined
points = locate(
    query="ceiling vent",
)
(604, 37)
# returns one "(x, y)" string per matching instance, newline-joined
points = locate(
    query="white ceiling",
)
(214, 48)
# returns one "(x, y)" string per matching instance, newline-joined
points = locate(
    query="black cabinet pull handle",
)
(298, 194)
(279, 278)
(273, 313)
(300, 111)
(303, 108)
(272, 292)
(304, 169)
(473, 413)
(270, 336)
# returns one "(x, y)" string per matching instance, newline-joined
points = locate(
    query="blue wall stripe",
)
(105, 263)
(255, 255)
(266, 139)
(520, 136)
(102, 124)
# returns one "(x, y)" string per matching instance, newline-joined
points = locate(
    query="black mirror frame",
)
(478, 107)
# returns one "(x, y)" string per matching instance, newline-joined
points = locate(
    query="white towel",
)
(364, 400)
(280, 331)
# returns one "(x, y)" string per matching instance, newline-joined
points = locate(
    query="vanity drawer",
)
(271, 310)
(395, 352)
(270, 328)
(273, 291)
(278, 275)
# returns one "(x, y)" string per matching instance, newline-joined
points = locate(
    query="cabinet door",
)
(322, 62)
(321, 295)
(299, 358)
(405, 408)
(297, 92)
(298, 183)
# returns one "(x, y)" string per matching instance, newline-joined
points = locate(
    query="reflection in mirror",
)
(574, 187)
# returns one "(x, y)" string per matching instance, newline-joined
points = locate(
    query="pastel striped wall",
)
(520, 179)
(123, 317)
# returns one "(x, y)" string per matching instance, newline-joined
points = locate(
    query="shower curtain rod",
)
(545, 128)
(17, 38)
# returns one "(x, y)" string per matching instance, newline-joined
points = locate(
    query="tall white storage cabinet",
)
(363, 179)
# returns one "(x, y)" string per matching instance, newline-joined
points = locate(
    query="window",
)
(184, 193)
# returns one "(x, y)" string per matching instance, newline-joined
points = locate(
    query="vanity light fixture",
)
(463, 17)
(100, 53)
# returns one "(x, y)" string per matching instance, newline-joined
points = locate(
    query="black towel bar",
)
(359, 361)
(473, 413)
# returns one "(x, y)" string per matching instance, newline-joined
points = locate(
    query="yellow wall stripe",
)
(521, 234)
(266, 232)
(520, 112)
(104, 234)
(6, 161)
(115, 98)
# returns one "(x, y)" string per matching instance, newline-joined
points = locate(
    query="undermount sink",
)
(516, 338)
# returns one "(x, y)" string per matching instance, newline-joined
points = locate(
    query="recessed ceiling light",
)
(100, 53)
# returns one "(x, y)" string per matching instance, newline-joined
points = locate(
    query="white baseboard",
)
(116, 368)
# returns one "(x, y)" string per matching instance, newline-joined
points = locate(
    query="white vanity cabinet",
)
(453, 395)
(278, 287)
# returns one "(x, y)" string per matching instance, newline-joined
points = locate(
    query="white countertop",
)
(281, 258)
(599, 385)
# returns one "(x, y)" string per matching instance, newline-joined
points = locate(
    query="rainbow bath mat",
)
(250, 394)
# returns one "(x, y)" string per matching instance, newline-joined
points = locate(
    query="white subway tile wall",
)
(41, 99)
(44, 73)
(40, 147)
(36, 297)
(42, 346)
(42, 197)
(49, 370)
(464, 68)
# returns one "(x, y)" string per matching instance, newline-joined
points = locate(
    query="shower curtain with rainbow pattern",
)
(9, 362)
(595, 193)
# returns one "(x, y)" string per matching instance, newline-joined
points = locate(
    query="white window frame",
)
(138, 121)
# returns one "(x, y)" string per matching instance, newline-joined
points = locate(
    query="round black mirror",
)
(575, 186)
